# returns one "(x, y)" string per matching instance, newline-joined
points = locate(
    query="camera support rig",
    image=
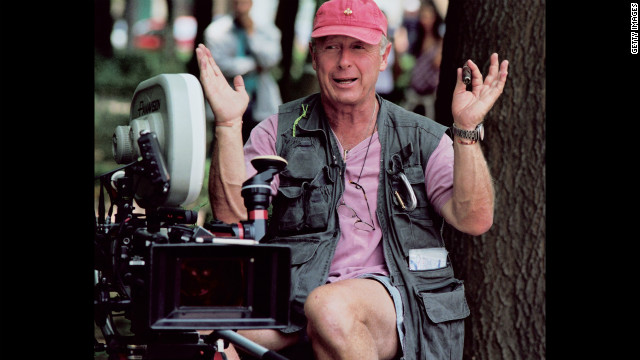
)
(167, 276)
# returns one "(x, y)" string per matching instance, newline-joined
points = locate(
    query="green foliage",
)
(115, 81)
(406, 62)
(105, 122)
(121, 74)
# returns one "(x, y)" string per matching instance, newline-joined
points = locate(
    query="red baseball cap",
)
(360, 19)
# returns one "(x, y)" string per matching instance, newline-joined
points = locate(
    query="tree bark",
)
(504, 269)
(203, 12)
(285, 21)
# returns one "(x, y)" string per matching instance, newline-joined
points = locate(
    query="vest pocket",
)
(291, 217)
(302, 207)
(411, 225)
(302, 250)
(446, 304)
(445, 310)
(410, 231)
(415, 177)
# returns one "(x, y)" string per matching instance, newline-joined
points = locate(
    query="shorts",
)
(397, 301)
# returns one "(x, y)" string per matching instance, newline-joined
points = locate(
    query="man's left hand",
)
(470, 107)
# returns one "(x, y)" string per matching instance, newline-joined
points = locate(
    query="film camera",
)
(168, 276)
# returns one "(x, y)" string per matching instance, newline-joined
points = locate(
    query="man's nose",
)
(345, 59)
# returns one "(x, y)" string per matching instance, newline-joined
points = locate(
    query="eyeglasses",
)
(346, 210)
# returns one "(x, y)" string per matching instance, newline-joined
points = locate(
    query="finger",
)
(203, 51)
(212, 62)
(502, 79)
(497, 85)
(493, 70)
(498, 79)
(504, 70)
(205, 71)
(203, 61)
(206, 57)
(199, 56)
(214, 67)
(238, 84)
(207, 51)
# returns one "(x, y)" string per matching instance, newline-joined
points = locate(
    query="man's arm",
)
(470, 209)
(227, 172)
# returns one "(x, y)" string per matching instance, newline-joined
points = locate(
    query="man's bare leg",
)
(352, 319)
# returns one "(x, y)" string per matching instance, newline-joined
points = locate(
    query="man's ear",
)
(385, 57)
(313, 56)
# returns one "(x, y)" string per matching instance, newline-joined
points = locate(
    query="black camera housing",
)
(236, 286)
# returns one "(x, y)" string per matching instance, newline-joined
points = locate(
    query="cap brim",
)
(370, 36)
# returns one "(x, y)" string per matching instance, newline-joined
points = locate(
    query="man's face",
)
(242, 7)
(347, 68)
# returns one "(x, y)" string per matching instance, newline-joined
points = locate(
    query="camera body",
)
(158, 269)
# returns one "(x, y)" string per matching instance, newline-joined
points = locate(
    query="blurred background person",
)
(386, 84)
(427, 50)
(242, 46)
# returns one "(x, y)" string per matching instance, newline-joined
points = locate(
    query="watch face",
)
(481, 131)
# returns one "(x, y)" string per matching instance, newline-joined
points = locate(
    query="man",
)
(364, 195)
(242, 46)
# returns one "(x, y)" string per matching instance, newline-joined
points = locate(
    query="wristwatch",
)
(474, 135)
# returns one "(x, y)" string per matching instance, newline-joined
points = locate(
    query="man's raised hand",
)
(470, 107)
(228, 104)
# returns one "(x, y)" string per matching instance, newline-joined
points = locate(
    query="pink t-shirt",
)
(358, 251)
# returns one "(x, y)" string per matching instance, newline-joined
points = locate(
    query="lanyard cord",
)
(375, 106)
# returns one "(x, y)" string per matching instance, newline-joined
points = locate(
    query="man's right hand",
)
(228, 105)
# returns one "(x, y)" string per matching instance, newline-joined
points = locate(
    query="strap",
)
(295, 123)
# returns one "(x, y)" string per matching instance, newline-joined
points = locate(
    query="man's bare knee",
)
(331, 317)
(343, 320)
(325, 304)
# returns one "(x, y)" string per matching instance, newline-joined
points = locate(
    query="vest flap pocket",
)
(446, 306)
(302, 250)
(303, 157)
(290, 192)
(415, 174)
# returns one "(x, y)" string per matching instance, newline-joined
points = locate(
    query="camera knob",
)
(122, 147)
(266, 162)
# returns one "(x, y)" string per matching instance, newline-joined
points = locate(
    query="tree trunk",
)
(285, 21)
(290, 88)
(504, 269)
(169, 43)
(203, 12)
(131, 16)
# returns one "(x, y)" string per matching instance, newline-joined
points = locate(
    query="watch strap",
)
(473, 135)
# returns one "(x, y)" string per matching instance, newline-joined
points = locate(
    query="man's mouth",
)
(345, 81)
